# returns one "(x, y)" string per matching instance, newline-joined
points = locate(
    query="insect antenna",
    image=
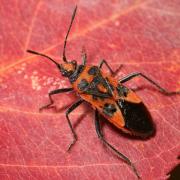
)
(40, 54)
(65, 41)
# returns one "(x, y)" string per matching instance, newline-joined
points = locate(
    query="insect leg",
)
(70, 109)
(57, 91)
(107, 65)
(84, 56)
(105, 62)
(122, 156)
(132, 75)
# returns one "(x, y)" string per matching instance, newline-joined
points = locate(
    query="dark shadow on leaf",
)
(63, 108)
(139, 88)
(118, 69)
(80, 118)
(152, 88)
(174, 174)
(57, 110)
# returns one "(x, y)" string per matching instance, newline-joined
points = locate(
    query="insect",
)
(107, 95)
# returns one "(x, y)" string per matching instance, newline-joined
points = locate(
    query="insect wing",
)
(137, 118)
(107, 107)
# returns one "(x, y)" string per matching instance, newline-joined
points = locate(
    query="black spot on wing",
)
(97, 80)
(83, 84)
(137, 118)
(92, 89)
(122, 90)
(97, 94)
(109, 109)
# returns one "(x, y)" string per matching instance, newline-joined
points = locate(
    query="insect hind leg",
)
(57, 91)
(122, 156)
(162, 90)
(70, 109)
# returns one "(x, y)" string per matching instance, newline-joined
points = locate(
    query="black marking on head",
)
(93, 70)
(76, 74)
(109, 109)
(122, 90)
(83, 84)
(66, 73)
(137, 118)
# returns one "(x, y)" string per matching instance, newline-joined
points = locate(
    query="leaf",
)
(142, 35)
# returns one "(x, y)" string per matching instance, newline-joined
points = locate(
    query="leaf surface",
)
(142, 35)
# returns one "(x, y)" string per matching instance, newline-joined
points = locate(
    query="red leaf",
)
(142, 35)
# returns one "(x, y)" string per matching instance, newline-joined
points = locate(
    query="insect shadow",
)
(174, 174)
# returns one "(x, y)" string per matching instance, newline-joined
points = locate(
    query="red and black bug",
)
(107, 95)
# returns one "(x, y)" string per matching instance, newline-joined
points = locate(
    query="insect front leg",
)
(70, 109)
(84, 56)
(132, 75)
(122, 156)
(57, 91)
(108, 66)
